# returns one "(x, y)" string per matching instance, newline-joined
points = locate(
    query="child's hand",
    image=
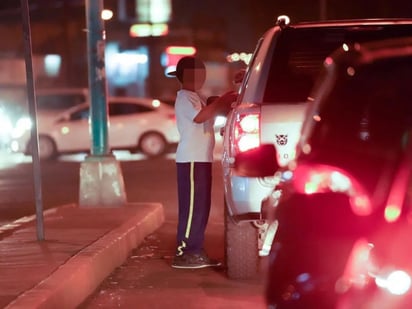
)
(229, 96)
(224, 102)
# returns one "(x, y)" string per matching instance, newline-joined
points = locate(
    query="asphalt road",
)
(145, 181)
(146, 279)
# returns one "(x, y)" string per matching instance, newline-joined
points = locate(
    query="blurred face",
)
(193, 79)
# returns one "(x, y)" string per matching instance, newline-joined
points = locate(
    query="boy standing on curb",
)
(194, 157)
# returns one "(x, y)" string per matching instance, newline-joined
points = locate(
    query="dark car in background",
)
(349, 181)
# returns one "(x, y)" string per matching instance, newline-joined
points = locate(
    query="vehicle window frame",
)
(59, 101)
(84, 114)
(120, 109)
(248, 71)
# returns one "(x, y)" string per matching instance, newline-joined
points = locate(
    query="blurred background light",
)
(52, 64)
(107, 14)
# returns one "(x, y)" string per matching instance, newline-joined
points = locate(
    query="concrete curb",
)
(80, 276)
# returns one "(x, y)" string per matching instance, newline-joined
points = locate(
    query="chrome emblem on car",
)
(281, 139)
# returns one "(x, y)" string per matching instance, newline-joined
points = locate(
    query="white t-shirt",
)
(197, 140)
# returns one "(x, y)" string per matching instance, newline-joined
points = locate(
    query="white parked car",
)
(137, 124)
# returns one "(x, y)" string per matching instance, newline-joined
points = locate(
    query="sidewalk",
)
(82, 247)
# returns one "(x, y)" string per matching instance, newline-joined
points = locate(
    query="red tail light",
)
(324, 178)
(358, 266)
(247, 132)
(363, 267)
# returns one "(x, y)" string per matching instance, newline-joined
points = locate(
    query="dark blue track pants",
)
(194, 187)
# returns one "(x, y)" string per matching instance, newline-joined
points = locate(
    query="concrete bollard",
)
(101, 182)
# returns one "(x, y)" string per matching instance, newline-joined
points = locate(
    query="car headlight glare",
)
(5, 124)
(397, 282)
(22, 125)
(24, 122)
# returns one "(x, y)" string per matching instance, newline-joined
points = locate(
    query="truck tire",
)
(241, 249)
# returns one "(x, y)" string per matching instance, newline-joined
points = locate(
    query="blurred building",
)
(144, 39)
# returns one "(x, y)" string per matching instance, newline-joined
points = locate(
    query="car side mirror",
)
(257, 162)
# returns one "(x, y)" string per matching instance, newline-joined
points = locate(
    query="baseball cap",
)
(187, 62)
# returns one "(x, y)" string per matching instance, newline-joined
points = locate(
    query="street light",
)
(107, 14)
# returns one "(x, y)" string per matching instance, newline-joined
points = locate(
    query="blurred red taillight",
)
(311, 179)
(358, 265)
(247, 132)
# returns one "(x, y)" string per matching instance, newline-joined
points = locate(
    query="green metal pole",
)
(97, 78)
(101, 180)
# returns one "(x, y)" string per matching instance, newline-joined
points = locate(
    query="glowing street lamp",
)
(107, 14)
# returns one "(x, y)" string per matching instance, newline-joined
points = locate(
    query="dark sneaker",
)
(194, 261)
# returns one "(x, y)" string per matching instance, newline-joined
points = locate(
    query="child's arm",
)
(220, 106)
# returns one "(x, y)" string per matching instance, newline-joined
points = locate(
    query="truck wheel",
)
(241, 248)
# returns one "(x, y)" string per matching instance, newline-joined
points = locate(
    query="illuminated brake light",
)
(361, 266)
(247, 134)
(325, 178)
(358, 265)
(361, 204)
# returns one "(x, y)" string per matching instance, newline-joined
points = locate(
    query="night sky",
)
(246, 20)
